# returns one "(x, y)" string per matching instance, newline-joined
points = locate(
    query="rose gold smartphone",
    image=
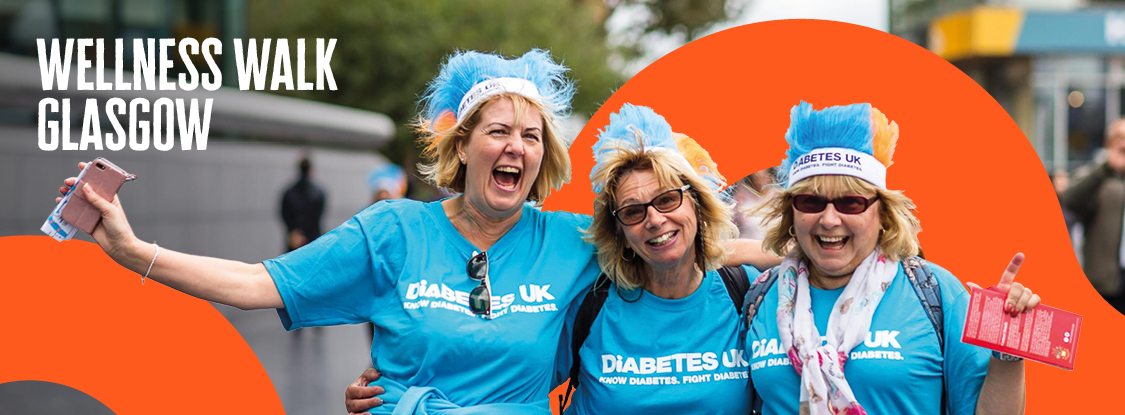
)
(105, 178)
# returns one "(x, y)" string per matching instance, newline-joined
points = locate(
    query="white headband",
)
(840, 161)
(675, 155)
(492, 87)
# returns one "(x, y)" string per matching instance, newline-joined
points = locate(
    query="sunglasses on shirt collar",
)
(480, 299)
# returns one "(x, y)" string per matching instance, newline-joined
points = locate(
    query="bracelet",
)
(150, 264)
(1004, 357)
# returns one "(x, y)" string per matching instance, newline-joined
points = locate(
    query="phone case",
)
(105, 178)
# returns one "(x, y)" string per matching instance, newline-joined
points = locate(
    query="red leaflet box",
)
(1044, 334)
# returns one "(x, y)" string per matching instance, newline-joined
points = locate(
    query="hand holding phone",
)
(103, 177)
(106, 179)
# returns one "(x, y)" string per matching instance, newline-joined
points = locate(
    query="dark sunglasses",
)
(480, 300)
(663, 203)
(848, 205)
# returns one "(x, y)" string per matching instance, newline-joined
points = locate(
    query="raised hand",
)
(1020, 298)
(113, 232)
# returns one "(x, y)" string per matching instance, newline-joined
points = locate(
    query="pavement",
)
(309, 369)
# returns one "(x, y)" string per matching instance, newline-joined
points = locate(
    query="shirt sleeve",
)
(965, 365)
(337, 278)
(751, 273)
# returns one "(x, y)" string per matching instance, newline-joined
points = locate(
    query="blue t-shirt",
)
(660, 356)
(402, 266)
(897, 369)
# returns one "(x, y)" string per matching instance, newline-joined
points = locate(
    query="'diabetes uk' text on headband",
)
(853, 140)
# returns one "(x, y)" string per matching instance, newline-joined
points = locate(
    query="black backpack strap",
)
(753, 299)
(738, 283)
(926, 286)
(587, 312)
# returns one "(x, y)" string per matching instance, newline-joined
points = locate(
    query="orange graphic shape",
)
(76, 318)
(981, 190)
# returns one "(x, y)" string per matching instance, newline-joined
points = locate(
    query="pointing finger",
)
(1010, 272)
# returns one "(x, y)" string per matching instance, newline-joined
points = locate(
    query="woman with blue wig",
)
(666, 340)
(468, 295)
(843, 329)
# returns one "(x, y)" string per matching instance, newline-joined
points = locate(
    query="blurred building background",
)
(230, 193)
(221, 202)
(1056, 66)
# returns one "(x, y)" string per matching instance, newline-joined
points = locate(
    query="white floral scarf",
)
(824, 390)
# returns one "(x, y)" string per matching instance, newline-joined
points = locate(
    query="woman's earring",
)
(791, 232)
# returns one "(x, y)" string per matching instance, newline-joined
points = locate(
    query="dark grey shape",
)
(33, 397)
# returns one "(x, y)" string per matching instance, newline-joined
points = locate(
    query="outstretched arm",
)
(238, 284)
(749, 251)
(1081, 196)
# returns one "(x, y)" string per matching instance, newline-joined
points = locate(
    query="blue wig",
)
(847, 126)
(632, 127)
(387, 176)
(463, 70)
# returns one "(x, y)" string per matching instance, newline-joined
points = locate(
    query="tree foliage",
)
(690, 18)
(388, 50)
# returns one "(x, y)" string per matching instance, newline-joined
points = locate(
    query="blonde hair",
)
(898, 240)
(440, 138)
(713, 216)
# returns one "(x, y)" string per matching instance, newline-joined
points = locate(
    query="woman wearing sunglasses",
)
(468, 295)
(842, 330)
(667, 338)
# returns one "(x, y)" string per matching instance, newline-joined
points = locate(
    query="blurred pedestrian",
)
(302, 207)
(386, 182)
(1060, 180)
(1097, 198)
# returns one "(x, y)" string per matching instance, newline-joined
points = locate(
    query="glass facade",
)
(1072, 108)
(1059, 72)
(24, 21)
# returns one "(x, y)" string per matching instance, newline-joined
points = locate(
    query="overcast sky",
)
(870, 13)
